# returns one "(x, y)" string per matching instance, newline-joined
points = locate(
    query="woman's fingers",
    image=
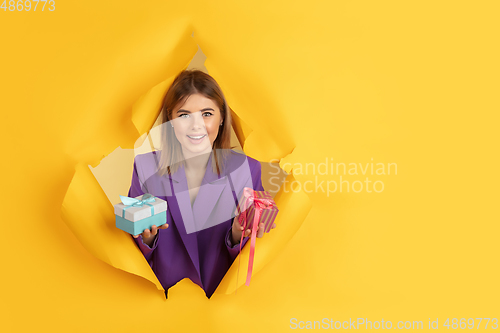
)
(147, 233)
(260, 231)
(154, 230)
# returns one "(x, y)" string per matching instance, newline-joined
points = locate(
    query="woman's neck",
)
(197, 163)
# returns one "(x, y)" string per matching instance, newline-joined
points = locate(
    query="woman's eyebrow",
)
(205, 109)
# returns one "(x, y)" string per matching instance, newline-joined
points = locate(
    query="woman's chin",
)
(195, 150)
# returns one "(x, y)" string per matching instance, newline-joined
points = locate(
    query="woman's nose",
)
(197, 120)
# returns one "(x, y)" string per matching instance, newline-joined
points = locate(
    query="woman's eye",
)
(207, 113)
(182, 115)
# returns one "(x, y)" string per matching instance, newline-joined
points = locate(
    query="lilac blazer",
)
(197, 244)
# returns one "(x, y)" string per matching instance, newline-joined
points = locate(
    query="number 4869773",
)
(26, 5)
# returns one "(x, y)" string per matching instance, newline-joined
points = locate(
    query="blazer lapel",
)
(194, 218)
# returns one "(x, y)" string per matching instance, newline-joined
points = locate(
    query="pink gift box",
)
(251, 199)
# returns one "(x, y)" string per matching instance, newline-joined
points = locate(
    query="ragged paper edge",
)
(88, 213)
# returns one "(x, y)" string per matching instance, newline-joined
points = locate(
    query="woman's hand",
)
(148, 236)
(237, 230)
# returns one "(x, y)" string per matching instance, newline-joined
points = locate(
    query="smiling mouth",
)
(198, 137)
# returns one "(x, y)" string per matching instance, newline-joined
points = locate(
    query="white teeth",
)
(196, 137)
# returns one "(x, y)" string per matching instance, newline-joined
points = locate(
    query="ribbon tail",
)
(244, 218)
(255, 226)
(128, 201)
(239, 264)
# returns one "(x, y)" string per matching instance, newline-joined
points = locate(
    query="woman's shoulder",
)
(146, 164)
(238, 158)
(146, 158)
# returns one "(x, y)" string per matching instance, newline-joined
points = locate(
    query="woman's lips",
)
(196, 139)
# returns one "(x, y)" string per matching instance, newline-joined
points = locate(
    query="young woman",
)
(201, 179)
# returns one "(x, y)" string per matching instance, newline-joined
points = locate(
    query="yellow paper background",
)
(409, 83)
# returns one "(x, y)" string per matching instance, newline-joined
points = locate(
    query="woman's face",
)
(196, 124)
